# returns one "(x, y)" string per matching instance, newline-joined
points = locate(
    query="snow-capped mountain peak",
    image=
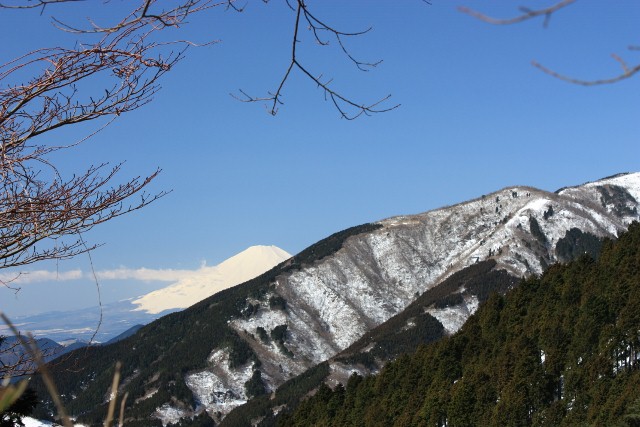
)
(208, 280)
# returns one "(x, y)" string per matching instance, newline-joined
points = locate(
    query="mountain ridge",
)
(560, 349)
(304, 312)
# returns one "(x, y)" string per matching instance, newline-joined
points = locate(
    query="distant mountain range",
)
(347, 304)
(123, 315)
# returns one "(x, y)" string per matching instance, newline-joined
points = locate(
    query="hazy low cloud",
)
(40, 276)
(142, 274)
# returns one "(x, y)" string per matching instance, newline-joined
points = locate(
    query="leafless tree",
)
(111, 69)
(546, 13)
(42, 213)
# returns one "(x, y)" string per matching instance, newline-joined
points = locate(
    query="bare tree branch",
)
(524, 16)
(627, 71)
(37, 203)
(347, 108)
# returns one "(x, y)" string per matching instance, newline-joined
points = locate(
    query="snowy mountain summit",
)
(121, 315)
(239, 268)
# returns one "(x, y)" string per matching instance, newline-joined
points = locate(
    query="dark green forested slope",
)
(381, 344)
(562, 349)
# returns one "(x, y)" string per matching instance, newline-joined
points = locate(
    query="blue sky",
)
(475, 116)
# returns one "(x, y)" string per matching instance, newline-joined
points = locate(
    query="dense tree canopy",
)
(561, 349)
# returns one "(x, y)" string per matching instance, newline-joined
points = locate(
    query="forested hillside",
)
(561, 349)
(425, 274)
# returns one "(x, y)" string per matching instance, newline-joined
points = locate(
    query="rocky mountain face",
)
(378, 274)
(306, 313)
(560, 349)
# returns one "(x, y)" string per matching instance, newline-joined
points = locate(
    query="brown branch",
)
(627, 71)
(35, 4)
(38, 206)
(36, 355)
(525, 16)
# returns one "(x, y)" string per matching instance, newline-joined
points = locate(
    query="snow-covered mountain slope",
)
(238, 269)
(313, 306)
(119, 316)
(375, 275)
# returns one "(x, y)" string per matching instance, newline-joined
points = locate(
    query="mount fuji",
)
(120, 316)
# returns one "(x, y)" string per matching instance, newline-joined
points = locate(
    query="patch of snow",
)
(219, 388)
(631, 182)
(411, 323)
(168, 414)
(147, 395)
(452, 318)
(265, 318)
(472, 303)
(32, 422)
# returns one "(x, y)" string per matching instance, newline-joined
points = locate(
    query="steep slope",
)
(562, 349)
(519, 230)
(249, 339)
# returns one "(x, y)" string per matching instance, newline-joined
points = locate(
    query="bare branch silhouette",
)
(526, 14)
(627, 70)
(348, 108)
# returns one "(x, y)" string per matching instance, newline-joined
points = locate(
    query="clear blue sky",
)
(475, 116)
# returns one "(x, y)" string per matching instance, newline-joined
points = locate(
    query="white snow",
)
(452, 318)
(219, 388)
(168, 414)
(630, 181)
(32, 422)
(208, 280)
(375, 275)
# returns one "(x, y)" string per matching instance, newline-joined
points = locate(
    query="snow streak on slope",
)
(452, 318)
(221, 388)
(375, 275)
(238, 269)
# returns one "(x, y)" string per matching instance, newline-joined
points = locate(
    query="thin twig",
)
(113, 395)
(35, 353)
(122, 406)
(339, 101)
(627, 71)
(99, 293)
(528, 14)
